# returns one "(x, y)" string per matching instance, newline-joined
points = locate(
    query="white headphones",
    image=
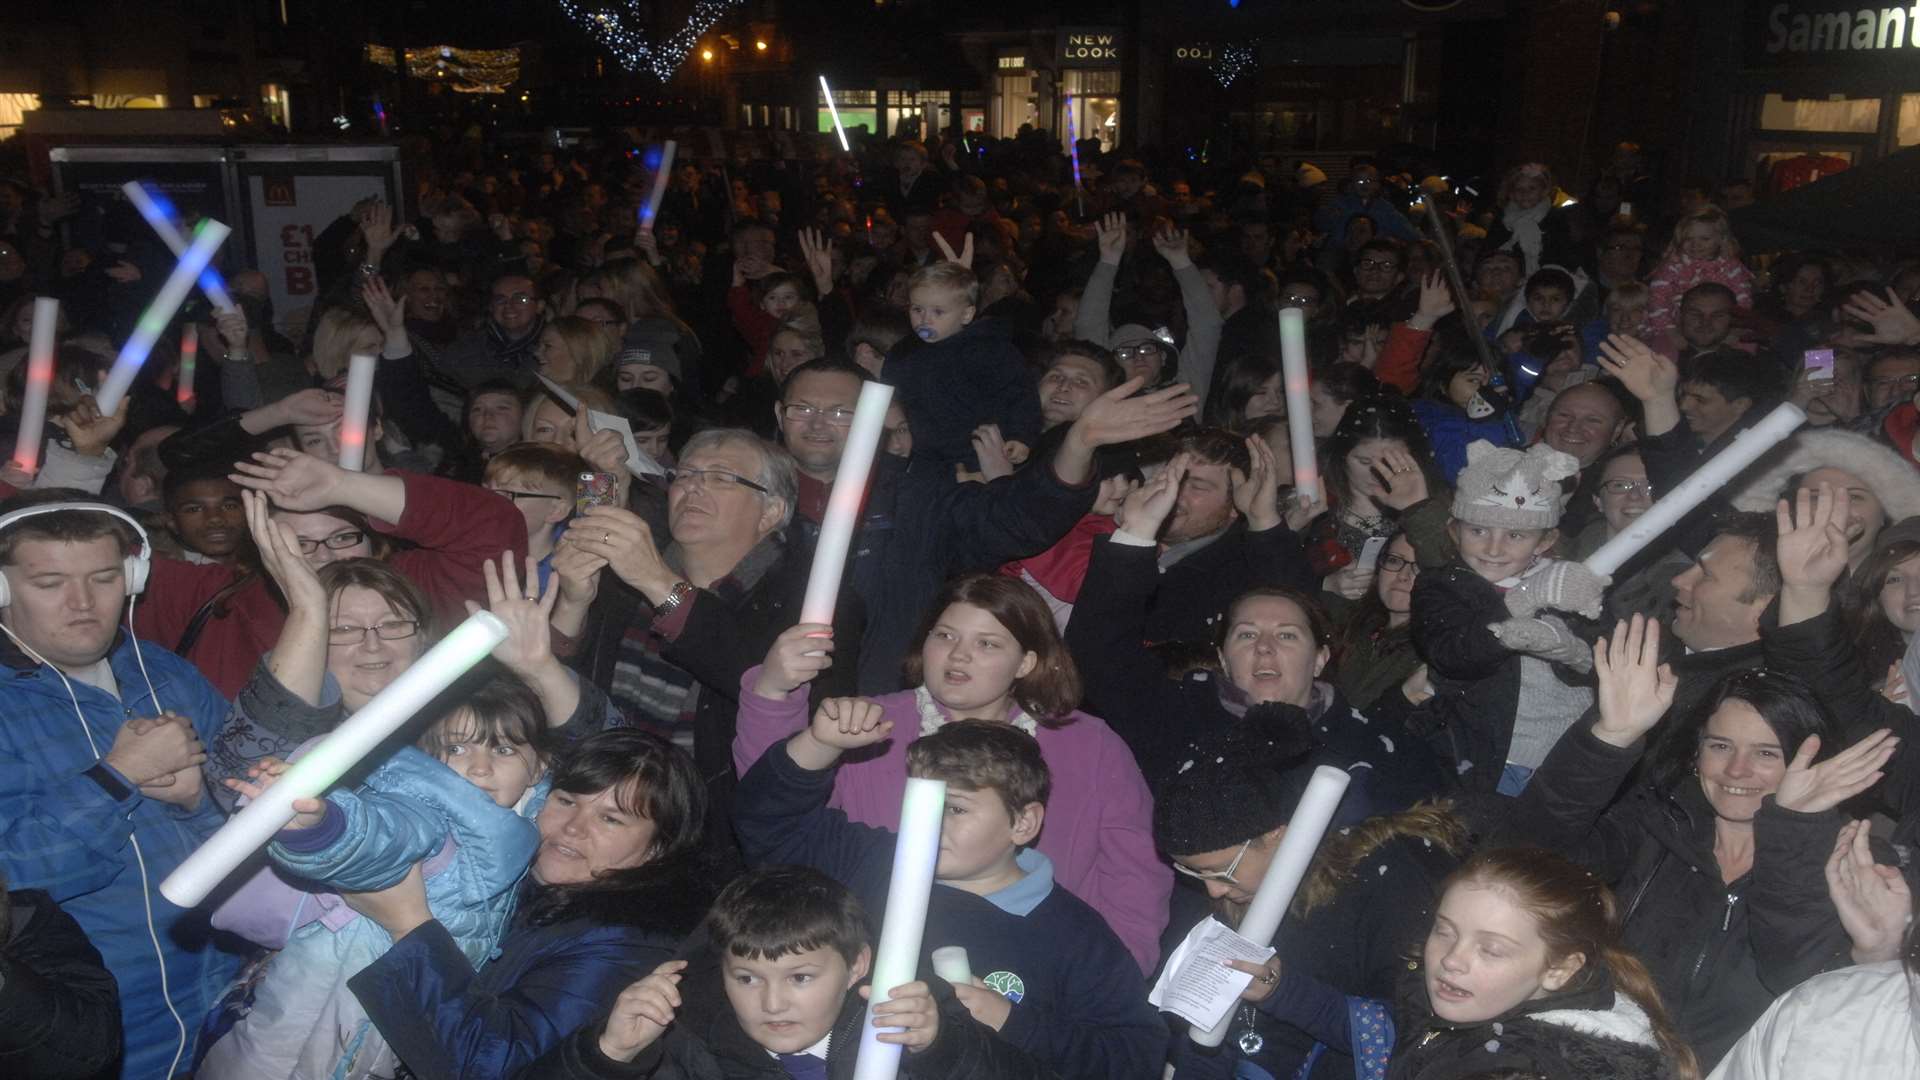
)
(135, 566)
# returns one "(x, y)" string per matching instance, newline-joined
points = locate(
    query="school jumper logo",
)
(1007, 985)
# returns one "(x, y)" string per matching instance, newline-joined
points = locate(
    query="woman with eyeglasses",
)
(223, 618)
(1361, 911)
(1618, 486)
(1374, 654)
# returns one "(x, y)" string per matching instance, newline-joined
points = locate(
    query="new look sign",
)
(1088, 46)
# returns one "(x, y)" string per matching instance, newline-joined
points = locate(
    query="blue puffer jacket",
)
(1449, 430)
(411, 809)
(66, 823)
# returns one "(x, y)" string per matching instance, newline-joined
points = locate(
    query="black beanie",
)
(1235, 783)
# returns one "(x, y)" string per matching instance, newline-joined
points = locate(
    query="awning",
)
(1871, 207)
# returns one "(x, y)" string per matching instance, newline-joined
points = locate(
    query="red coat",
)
(454, 527)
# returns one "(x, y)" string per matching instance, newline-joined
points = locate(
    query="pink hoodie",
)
(1099, 826)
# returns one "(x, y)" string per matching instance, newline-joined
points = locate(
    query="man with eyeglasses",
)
(440, 532)
(1141, 345)
(919, 527)
(671, 624)
(503, 346)
(1379, 269)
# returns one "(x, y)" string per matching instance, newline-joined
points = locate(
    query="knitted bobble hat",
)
(1514, 489)
(1235, 783)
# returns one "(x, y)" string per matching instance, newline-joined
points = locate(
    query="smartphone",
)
(592, 489)
(1818, 364)
(1370, 552)
(1626, 210)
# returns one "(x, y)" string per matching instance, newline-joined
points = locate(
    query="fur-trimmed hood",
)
(1894, 482)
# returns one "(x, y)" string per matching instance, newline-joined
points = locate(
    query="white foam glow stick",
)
(660, 177)
(244, 833)
(169, 233)
(835, 111)
(189, 353)
(33, 403)
(1286, 871)
(353, 418)
(1712, 475)
(950, 963)
(1293, 372)
(843, 505)
(153, 321)
(897, 960)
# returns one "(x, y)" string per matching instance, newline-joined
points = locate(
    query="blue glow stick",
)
(160, 214)
(153, 321)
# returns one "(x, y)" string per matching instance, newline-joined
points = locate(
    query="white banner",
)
(288, 214)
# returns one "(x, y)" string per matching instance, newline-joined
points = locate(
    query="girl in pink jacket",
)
(991, 652)
(1703, 250)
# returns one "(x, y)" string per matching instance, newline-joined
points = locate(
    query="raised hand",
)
(1636, 689)
(817, 252)
(293, 480)
(991, 448)
(312, 407)
(1111, 232)
(525, 609)
(1256, 493)
(376, 226)
(1143, 512)
(1812, 539)
(232, 327)
(627, 544)
(1892, 321)
(263, 774)
(1873, 901)
(1302, 510)
(800, 653)
(1810, 788)
(1171, 243)
(280, 555)
(850, 723)
(965, 255)
(1646, 374)
(1402, 482)
(388, 313)
(90, 430)
(642, 1012)
(1117, 416)
(1436, 302)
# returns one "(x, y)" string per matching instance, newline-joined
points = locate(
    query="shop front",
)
(1823, 87)
(1088, 59)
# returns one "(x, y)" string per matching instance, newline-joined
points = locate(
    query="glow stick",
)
(1293, 372)
(1286, 871)
(162, 221)
(835, 110)
(353, 419)
(1712, 475)
(33, 403)
(897, 961)
(950, 963)
(206, 240)
(244, 833)
(843, 505)
(1073, 151)
(189, 352)
(659, 192)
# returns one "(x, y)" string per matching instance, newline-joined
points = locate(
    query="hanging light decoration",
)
(1234, 61)
(617, 26)
(466, 71)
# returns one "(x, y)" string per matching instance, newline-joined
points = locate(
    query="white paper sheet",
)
(1196, 984)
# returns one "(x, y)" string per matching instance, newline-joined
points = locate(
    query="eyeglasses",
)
(1135, 352)
(339, 541)
(1393, 564)
(1377, 264)
(1217, 875)
(391, 630)
(838, 416)
(1624, 486)
(517, 298)
(1905, 382)
(713, 479)
(516, 496)
(1300, 299)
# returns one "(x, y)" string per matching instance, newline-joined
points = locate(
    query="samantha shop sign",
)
(1822, 33)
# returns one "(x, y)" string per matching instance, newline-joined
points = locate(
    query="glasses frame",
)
(1219, 875)
(361, 632)
(1612, 487)
(691, 476)
(806, 413)
(516, 496)
(308, 547)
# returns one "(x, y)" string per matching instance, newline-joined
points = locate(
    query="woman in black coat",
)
(1719, 853)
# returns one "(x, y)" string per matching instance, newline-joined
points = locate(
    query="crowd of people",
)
(1656, 824)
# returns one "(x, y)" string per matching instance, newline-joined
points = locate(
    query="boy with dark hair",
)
(778, 992)
(204, 512)
(1057, 982)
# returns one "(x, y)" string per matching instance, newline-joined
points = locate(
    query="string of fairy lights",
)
(1234, 61)
(618, 25)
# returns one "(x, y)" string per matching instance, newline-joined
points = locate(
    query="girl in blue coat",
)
(1457, 407)
(466, 818)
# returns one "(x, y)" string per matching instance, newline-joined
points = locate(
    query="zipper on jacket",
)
(1726, 922)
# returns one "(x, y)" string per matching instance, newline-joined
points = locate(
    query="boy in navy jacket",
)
(1051, 978)
(775, 992)
(959, 374)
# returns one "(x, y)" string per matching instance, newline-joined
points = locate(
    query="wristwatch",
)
(675, 597)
